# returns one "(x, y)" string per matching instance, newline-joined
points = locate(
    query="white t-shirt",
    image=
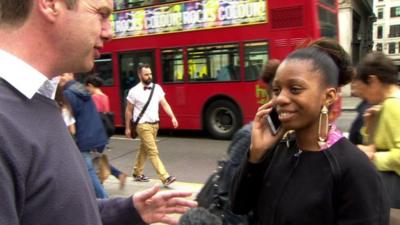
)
(138, 97)
(67, 116)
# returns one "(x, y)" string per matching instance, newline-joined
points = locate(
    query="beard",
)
(147, 82)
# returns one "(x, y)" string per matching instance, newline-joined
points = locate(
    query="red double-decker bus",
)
(207, 54)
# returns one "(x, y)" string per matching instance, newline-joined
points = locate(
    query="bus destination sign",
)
(186, 16)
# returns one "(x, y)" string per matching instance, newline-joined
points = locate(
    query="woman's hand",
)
(262, 138)
(370, 116)
(369, 150)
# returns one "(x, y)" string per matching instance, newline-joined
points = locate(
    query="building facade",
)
(386, 29)
(355, 27)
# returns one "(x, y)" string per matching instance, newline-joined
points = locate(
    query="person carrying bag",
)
(138, 100)
(132, 125)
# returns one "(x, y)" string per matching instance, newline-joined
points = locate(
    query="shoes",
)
(141, 178)
(122, 180)
(169, 180)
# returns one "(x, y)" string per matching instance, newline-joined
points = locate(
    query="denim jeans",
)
(115, 172)
(98, 187)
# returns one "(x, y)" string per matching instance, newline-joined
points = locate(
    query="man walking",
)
(43, 177)
(147, 125)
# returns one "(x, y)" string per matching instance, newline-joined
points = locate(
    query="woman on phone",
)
(311, 175)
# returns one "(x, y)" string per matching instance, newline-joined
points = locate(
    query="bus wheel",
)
(222, 119)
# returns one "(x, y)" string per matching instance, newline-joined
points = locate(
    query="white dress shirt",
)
(138, 97)
(24, 77)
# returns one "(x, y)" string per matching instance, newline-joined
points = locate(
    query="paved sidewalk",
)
(112, 186)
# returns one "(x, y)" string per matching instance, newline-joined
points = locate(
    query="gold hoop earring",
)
(323, 126)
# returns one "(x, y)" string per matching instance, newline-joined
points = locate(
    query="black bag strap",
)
(145, 106)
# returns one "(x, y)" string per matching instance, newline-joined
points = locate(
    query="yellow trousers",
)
(148, 149)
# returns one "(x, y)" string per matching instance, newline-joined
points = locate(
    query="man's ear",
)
(50, 9)
(331, 95)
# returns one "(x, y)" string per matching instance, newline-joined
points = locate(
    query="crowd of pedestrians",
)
(306, 173)
(102, 103)
(310, 149)
(45, 179)
(352, 187)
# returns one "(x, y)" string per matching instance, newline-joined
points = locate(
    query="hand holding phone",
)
(273, 121)
(263, 138)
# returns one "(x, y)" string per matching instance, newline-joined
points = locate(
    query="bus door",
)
(128, 64)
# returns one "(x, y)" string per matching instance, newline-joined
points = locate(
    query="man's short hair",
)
(15, 12)
(141, 66)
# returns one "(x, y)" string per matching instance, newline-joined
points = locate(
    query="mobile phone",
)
(273, 121)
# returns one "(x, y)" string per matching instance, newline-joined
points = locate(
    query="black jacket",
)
(336, 186)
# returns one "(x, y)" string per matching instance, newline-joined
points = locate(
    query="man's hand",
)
(128, 132)
(154, 205)
(175, 122)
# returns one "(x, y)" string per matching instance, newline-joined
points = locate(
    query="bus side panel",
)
(189, 102)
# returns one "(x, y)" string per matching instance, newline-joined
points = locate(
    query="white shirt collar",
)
(143, 85)
(24, 77)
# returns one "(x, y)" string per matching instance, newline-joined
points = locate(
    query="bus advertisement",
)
(207, 54)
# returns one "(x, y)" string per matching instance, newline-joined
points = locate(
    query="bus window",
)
(169, 1)
(214, 63)
(328, 2)
(172, 65)
(256, 55)
(102, 68)
(328, 23)
(129, 63)
(130, 4)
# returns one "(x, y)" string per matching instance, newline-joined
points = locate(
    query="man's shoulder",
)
(6, 89)
(136, 88)
(158, 88)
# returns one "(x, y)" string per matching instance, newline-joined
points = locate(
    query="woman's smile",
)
(285, 116)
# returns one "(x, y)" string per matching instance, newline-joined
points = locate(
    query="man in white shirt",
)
(148, 124)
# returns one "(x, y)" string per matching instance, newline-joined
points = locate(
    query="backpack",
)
(108, 122)
(214, 195)
(215, 199)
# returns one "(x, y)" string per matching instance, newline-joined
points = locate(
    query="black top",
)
(336, 186)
